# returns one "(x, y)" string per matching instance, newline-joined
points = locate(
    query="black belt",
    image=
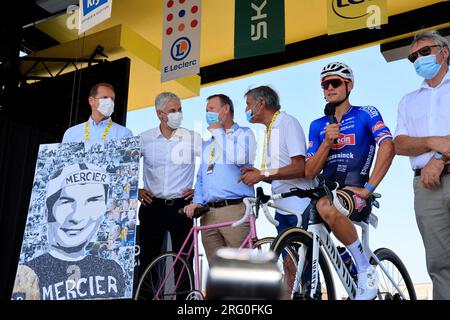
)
(446, 170)
(169, 202)
(223, 203)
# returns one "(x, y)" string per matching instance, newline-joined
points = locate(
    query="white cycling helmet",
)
(337, 69)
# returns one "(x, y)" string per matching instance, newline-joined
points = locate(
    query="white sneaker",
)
(367, 284)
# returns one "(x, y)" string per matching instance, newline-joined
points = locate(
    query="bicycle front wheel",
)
(165, 280)
(400, 276)
(291, 240)
(288, 258)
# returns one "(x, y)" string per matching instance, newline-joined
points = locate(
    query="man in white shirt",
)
(284, 151)
(423, 134)
(283, 160)
(100, 126)
(169, 153)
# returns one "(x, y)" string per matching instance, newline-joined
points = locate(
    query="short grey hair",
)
(267, 94)
(163, 98)
(433, 35)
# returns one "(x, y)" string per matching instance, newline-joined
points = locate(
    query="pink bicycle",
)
(170, 275)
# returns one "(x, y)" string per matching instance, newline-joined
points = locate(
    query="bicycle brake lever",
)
(375, 203)
(376, 195)
(257, 205)
(329, 194)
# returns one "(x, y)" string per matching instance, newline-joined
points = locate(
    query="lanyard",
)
(105, 133)
(213, 148)
(211, 153)
(267, 140)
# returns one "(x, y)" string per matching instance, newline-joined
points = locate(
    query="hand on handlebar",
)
(360, 192)
(190, 209)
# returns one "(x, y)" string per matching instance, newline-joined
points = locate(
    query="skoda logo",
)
(180, 48)
(341, 5)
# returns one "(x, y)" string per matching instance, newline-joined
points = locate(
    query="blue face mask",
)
(212, 117)
(249, 114)
(427, 67)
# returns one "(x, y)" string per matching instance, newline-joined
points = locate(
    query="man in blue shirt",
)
(100, 126)
(230, 149)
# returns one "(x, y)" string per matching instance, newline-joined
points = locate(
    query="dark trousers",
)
(155, 220)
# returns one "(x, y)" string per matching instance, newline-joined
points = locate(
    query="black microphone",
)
(330, 110)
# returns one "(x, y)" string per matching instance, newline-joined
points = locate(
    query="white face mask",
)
(174, 119)
(106, 106)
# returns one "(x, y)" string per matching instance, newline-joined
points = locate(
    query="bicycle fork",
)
(299, 272)
(298, 286)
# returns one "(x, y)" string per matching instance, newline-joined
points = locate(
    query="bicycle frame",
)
(321, 236)
(248, 242)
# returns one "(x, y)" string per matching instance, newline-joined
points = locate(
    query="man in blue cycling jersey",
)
(342, 144)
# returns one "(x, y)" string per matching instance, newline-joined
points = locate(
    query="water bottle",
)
(348, 261)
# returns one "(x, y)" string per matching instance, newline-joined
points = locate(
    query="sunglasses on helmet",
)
(334, 83)
(425, 51)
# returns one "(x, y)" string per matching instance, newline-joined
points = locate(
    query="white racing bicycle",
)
(311, 245)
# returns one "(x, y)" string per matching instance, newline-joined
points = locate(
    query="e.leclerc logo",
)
(340, 6)
(180, 48)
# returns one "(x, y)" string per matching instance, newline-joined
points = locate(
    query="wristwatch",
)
(437, 155)
(266, 173)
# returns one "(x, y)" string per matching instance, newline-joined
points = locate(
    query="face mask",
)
(427, 67)
(106, 106)
(212, 117)
(174, 120)
(249, 114)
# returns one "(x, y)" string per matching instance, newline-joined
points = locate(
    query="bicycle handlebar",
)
(198, 212)
(248, 211)
(325, 188)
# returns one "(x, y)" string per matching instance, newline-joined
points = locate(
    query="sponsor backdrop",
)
(181, 39)
(79, 236)
(258, 27)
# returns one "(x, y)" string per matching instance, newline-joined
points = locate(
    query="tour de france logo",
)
(180, 48)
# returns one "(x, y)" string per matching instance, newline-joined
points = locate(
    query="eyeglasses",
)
(334, 83)
(425, 51)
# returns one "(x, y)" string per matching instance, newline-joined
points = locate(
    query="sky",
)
(377, 83)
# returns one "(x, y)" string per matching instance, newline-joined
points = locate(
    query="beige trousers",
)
(233, 237)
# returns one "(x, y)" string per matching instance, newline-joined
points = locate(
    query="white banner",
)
(181, 39)
(93, 12)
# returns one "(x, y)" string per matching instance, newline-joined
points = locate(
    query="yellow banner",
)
(348, 15)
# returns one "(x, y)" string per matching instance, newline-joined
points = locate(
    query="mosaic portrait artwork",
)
(79, 237)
